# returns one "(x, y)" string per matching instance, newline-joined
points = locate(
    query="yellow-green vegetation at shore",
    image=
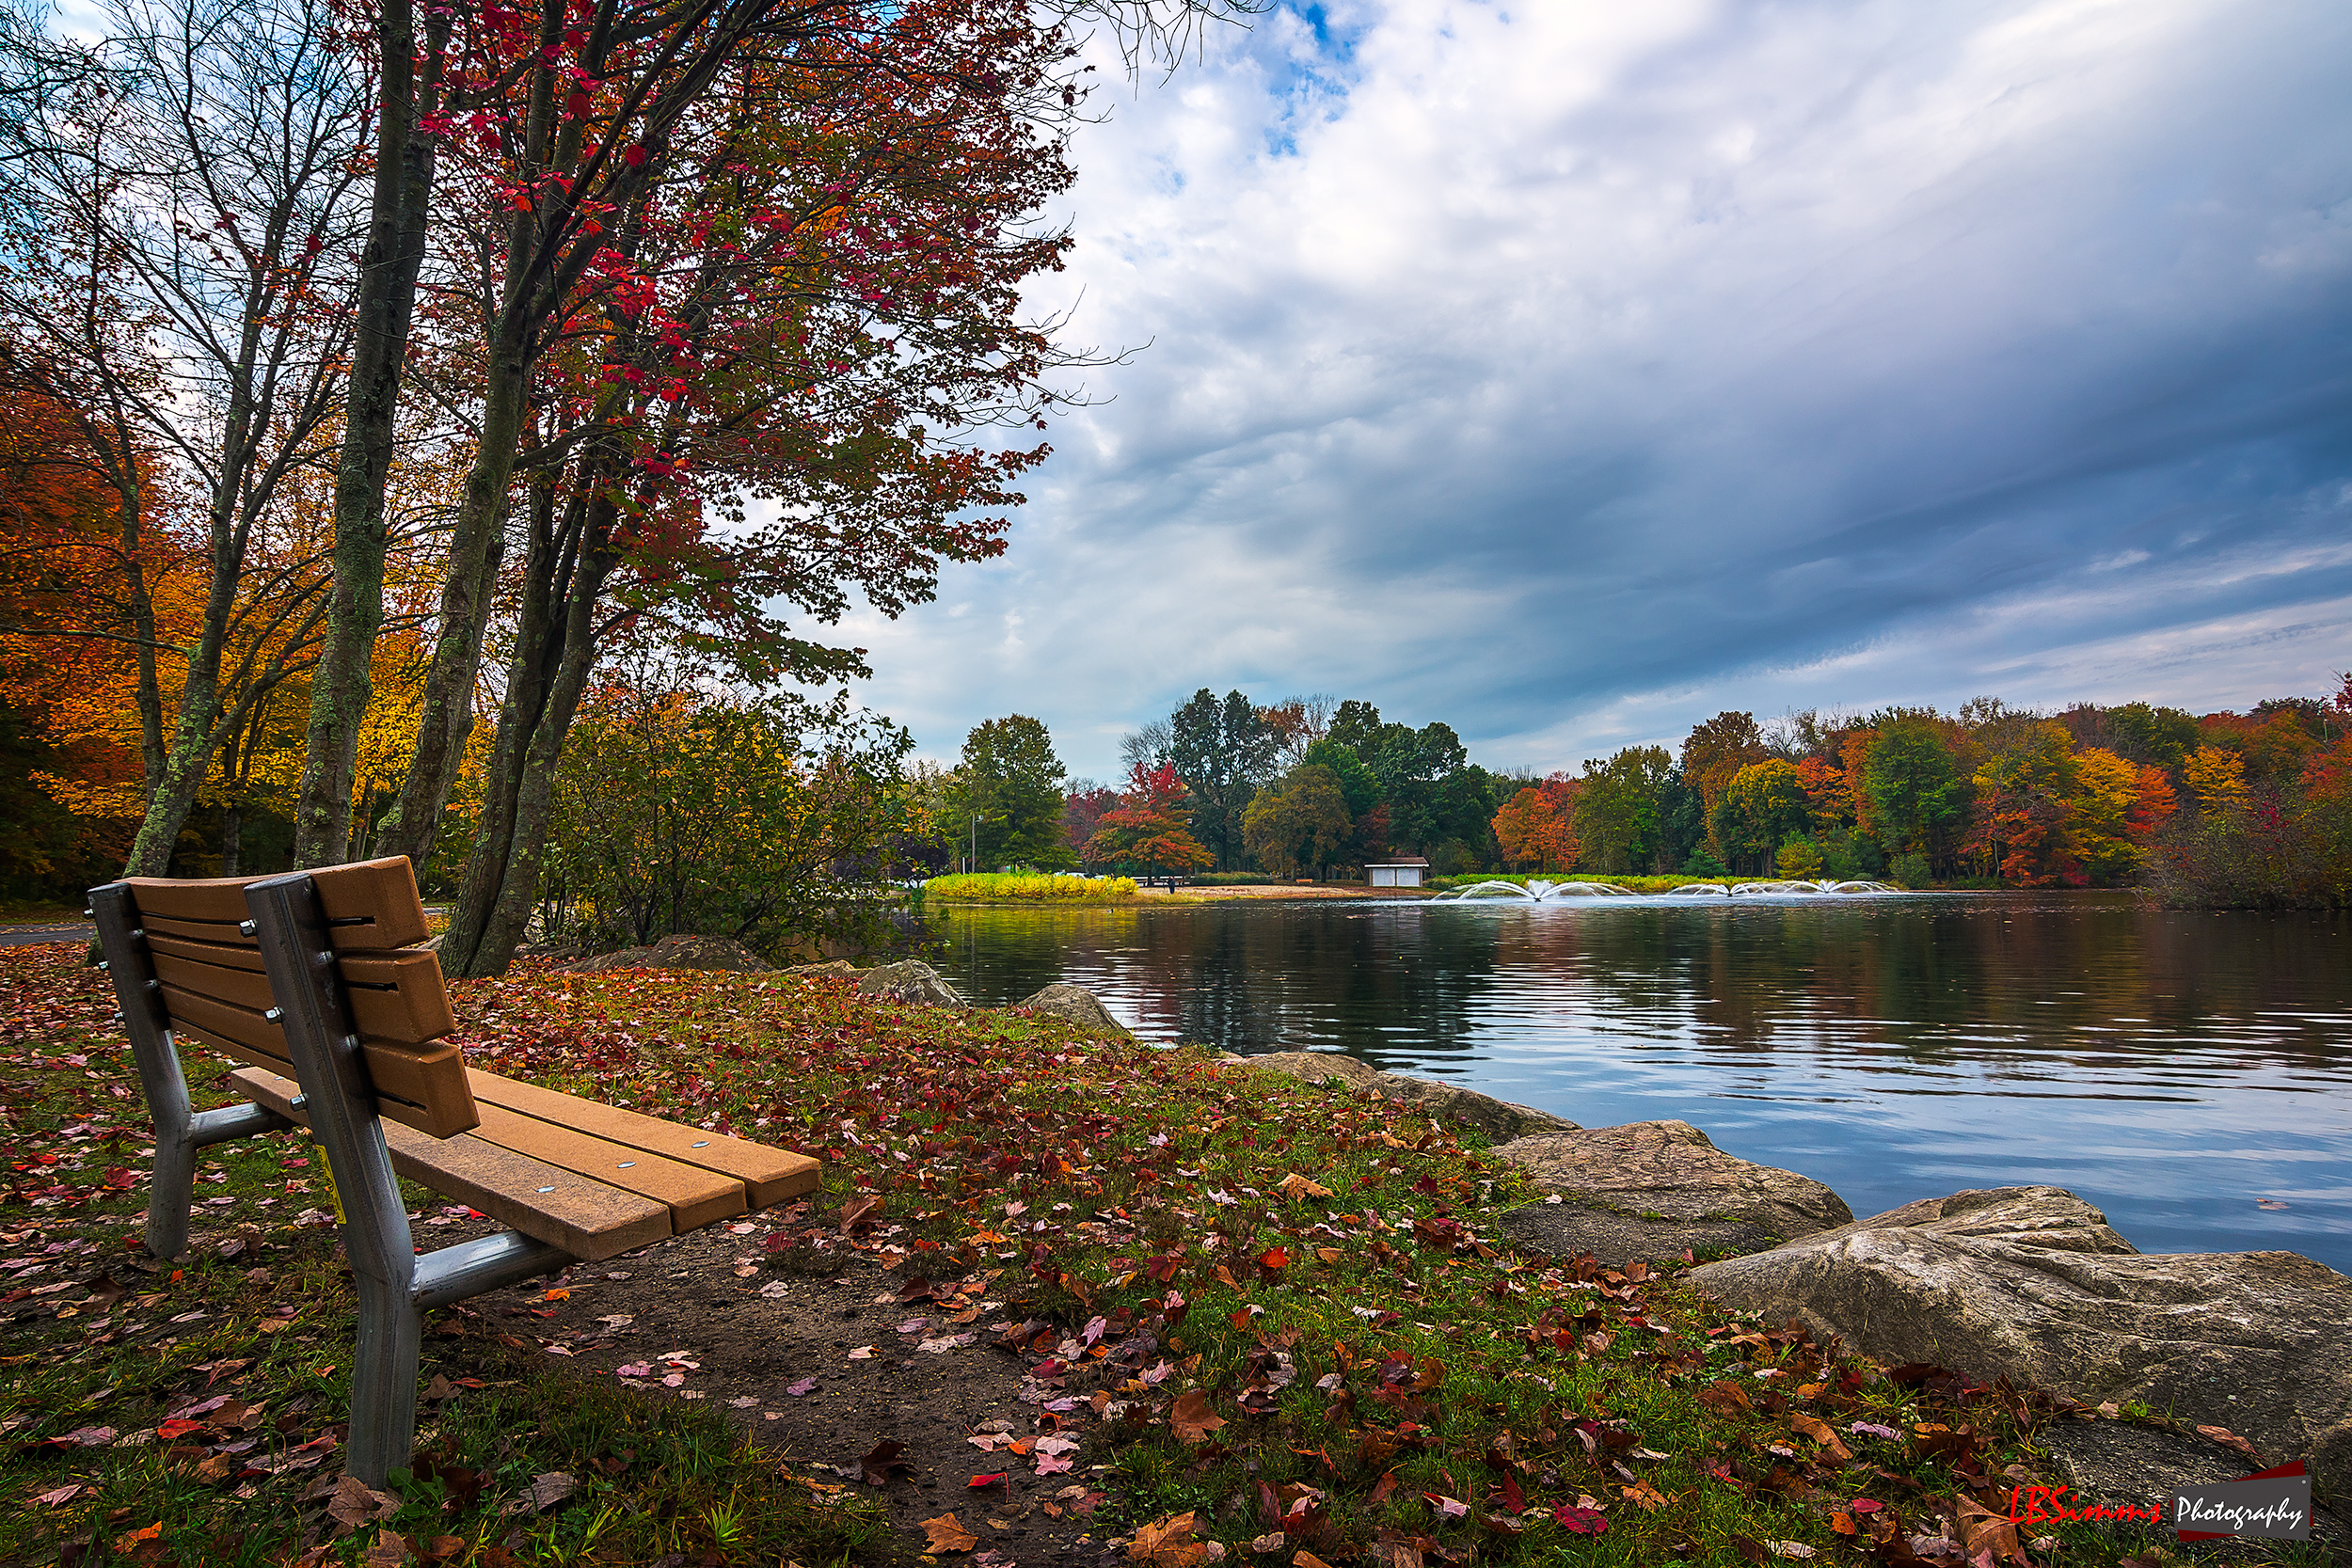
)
(1029, 887)
(1277, 1312)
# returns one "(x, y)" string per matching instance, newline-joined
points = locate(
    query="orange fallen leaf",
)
(1818, 1430)
(947, 1534)
(1645, 1494)
(1167, 1544)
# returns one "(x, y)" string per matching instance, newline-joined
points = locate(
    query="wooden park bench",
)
(315, 981)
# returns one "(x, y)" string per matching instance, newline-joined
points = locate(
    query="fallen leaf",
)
(947, 1534)
(62, 1494)
(1820, 1430)
(805, 1386)
(863, 1353)
(1448, 1508)
(1982, 1530)
(886, 1457)
(352, 1503)
(1581, 1519)
(1307, 1559)
(1646, 1495)
(1167, 1544)
(544, 1492)
(1191, 1418)
(1791, 1548)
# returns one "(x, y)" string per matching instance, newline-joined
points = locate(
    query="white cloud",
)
(1571, 373)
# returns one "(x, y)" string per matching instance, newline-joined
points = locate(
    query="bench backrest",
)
(209, 968)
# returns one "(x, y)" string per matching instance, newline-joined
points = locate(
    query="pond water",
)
(2173, 1068)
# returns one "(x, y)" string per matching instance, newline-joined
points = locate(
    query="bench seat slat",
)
(771, 1175)
(587, 1218)
(696, 1196)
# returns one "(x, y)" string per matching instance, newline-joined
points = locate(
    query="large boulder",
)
(1498, 1119)
(1075, 1005)
(1671, 1169)
(909, 980)
(682, 950)
(2029, 1284)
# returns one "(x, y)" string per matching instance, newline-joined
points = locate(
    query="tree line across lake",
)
(2249, 808)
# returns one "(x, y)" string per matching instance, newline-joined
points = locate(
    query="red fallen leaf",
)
(1865, 1505)
(1000, 1479)
(1382, 1489)
(1274, 1259)
(1582, 1520)
(1514, 1500)
(916, 1289)
(171, 1429)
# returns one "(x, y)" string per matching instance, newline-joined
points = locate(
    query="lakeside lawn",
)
(1313, 1345)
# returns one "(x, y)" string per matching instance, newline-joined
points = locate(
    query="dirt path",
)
(851, 1381)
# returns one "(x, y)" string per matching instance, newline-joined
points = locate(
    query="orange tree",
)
(1146, 831)
(1536, 826)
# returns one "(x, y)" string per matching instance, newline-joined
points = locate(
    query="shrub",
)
(1911, 870)
(1025, 885)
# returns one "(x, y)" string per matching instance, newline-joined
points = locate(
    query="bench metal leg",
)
(383, 1381)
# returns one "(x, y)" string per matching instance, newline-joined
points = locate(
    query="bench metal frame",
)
(394, 1284)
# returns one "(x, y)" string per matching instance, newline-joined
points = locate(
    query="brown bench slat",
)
(181, 1030)
(394, 996)
(239, 987)
(398, 996)
(424, 1085)
(368, 905)
(696, 1196)
(226, 955)
(587, 1218)
(196, 931)
(227, 1020)
(769, 1175)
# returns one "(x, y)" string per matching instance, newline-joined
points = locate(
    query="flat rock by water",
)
(1671, 1169)
(1075, 1005)
(910, 980)
(2022, 1283)
(1615, 1238)
(1498, 1119)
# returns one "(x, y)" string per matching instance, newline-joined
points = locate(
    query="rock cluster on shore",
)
(2027, 1283)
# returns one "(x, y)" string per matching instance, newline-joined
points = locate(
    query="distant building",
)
(1406, 871)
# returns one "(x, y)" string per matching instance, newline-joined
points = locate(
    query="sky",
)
(1571, 371)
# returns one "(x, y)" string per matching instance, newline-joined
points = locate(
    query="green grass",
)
(1387, 1372)
(1029, 887)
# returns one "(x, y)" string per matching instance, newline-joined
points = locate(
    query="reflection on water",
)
(2173, 1068)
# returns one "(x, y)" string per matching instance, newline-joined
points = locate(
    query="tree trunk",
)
(530, 675)
(232, 838)
(470, 579)
(387, 295)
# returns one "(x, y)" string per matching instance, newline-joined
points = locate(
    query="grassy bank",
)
(1026, 887)
(1312, 1337)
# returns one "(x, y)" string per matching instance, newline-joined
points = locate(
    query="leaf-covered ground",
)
(1269, 1322)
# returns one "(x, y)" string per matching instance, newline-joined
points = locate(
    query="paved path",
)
(25, 936)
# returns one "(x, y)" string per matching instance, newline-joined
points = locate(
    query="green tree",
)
(2162, 736)
(766, 821)
(1918, 796)
(1222, 751)
(1007, 796)
(1618, 811)
(1303, 822)
(1357, 784)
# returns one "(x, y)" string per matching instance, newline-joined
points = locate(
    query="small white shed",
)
(1405, 872)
